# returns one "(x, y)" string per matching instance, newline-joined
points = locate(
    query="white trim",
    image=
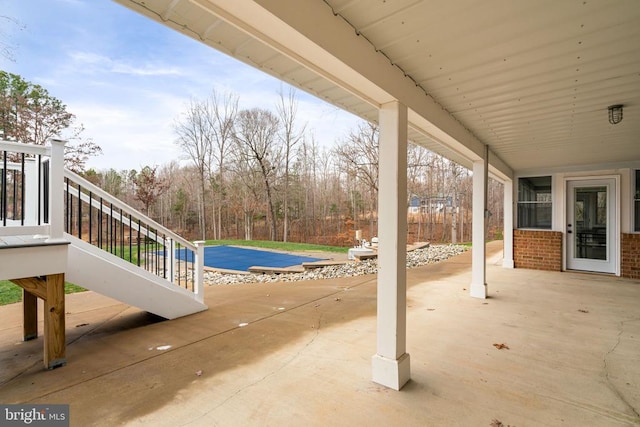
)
(632, 190)
(25, 230)
(18, 147)
(576, 170)
(516, 185)
(616, 231)
(507, 253)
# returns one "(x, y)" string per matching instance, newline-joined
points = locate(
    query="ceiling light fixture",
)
(615, 114)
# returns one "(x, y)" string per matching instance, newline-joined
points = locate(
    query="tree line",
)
(259, 173)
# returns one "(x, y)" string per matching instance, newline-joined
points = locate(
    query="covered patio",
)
(542, 96)
(569, 345)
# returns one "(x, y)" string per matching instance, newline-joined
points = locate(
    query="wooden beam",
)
(34, 285)
(30, 315)
(54, 322)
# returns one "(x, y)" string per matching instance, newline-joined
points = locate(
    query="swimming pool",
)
(233, 258)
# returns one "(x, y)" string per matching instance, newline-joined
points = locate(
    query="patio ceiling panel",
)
(530, 79)
(522, 76)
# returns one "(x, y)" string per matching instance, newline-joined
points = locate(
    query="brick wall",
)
(538, 250)
(630, 266)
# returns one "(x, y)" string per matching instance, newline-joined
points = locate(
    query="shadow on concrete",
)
(146, 362)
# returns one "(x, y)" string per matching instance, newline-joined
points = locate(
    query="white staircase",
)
(102, 272)
(54, 221)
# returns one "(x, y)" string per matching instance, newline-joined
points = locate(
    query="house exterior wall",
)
(545, 249)
(537, 249)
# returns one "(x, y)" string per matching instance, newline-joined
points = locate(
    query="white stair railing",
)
(95, 216)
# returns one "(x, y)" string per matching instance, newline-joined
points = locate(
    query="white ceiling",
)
(532, 79)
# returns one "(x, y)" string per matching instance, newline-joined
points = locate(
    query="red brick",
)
(537, 249)
(630, 259)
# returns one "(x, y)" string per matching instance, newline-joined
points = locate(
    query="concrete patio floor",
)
(304, 357)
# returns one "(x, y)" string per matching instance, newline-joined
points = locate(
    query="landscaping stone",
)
(416, 258)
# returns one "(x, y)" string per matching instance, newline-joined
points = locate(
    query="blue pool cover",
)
(232, 258)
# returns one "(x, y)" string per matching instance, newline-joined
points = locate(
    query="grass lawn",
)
(283, 246)
(10, 293)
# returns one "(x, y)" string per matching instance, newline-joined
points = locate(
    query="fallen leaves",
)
(497, 423)
(501, 346)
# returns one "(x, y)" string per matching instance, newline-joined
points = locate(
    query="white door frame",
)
(614, 214)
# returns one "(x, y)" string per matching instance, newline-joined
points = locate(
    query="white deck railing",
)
(39, 196)
(24, 188)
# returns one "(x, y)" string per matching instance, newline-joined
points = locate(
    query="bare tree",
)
(195, 136)
(244, 192)
(359, 152)
(307, 166)
(224, 111)
(255, 137)
(290, 136)
(77, 154)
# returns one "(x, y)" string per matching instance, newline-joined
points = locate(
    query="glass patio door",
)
(591, 216)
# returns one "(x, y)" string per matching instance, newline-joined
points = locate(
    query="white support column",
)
(507, 257)
(56, 191)
(478, 288)
(198, 286)
(390, 364)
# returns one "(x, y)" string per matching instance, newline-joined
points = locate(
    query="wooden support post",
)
(30, 315)
(51, 290)
(54, 322)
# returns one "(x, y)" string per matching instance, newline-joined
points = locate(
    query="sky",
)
(127, 78)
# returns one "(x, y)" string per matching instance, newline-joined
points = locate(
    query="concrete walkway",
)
(570, 356)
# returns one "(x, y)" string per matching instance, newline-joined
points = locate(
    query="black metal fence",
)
(17, 207)
(97, 218)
